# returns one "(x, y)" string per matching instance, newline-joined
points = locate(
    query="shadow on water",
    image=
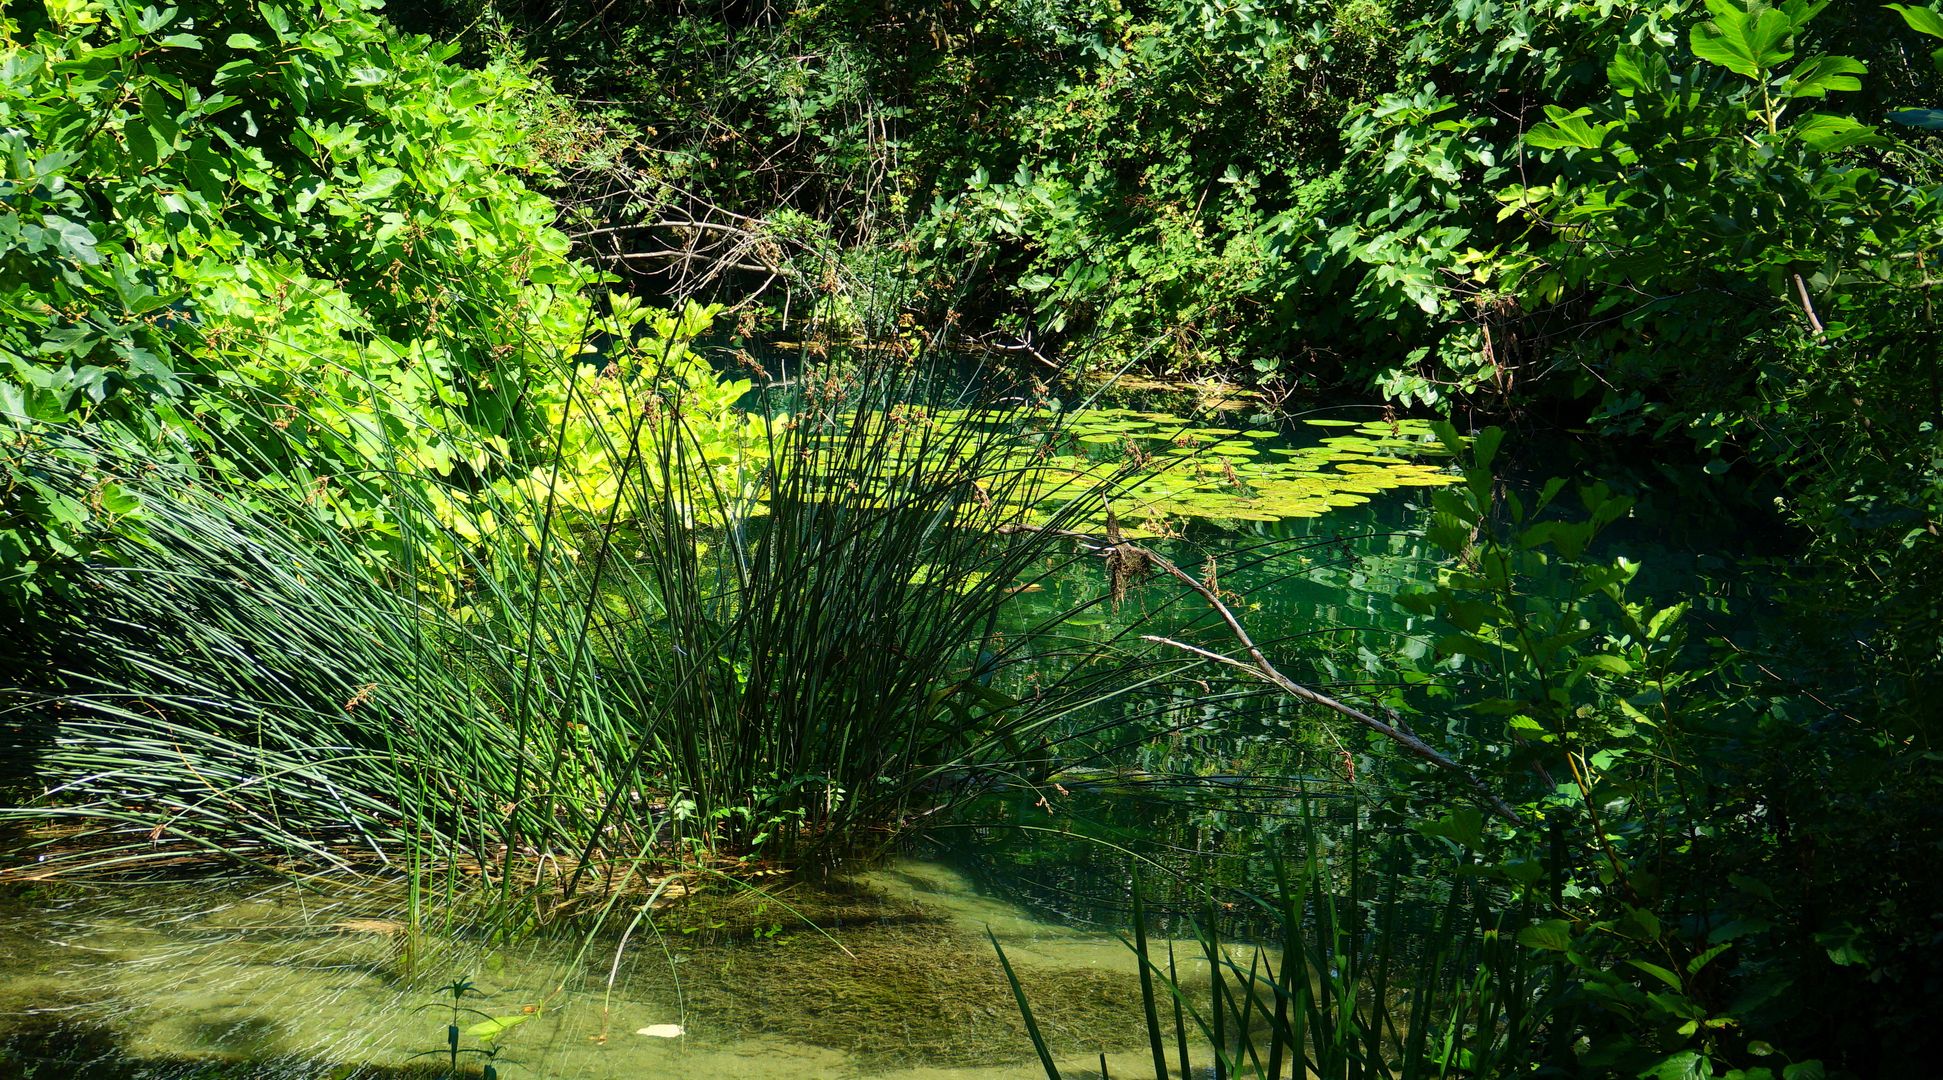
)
(68, 1046)
(29, 714)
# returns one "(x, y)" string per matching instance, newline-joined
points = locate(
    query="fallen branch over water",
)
(1123, 560)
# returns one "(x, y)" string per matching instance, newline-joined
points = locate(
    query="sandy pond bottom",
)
(901, 982)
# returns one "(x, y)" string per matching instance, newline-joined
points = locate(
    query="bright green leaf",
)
(1685, 1065)
(1923, 20)
(1822, 75)
(1827, 133)
(1745, 42)
(1552, 934)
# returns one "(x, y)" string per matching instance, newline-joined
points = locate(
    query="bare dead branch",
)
(1259, 666)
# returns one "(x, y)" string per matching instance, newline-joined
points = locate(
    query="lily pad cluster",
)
(1182, 471)
(1160, 469)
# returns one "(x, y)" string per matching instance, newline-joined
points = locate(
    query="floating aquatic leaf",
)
(492, 1028)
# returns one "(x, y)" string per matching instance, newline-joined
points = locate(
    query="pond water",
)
(897, 980)
(887, 972)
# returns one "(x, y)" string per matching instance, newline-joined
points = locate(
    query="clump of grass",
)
(797, 660)
(239, 682)
(831, 653)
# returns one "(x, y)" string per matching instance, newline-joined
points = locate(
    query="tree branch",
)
(1259, 666)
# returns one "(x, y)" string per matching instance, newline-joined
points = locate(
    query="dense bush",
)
(291, 244)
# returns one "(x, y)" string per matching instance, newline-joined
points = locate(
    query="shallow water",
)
(900, 982)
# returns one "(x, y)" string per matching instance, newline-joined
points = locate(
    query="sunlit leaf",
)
(1745, 42)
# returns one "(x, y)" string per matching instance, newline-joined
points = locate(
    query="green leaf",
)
(1804, 1070)
(117, 499)
(1606, 662)
(1485, 446)
(1694, 965)
(242, 41)
(1634, 70)
(182, 41)
(1827, 133)
(1745, 42)
(490, 1029)
(1657, 972)
(1568, 130)
(1464, 825)
(1552, 934)
(1844, 946)
(72, 239)
(1639, 924)
(468, 92)
(1821, 75)
(1799, 12)
(1685, 1065)
(1923, 20)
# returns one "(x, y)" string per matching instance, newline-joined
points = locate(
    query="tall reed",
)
(1385, 960)
(794, 652)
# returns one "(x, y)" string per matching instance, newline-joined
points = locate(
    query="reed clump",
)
(786, 656)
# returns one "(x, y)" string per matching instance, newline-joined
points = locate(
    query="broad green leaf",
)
(1606, 662)
(1635, 70)
(1465, 825)
(1568, 130)
(1639, 924)
(1799, 12)
(73, 239)
(116, 499)
(1685, 1065)
(1745, 42)
(1552, 934)
(1821, 75)
(1923, 20)
(1827, 133)
(467, 92)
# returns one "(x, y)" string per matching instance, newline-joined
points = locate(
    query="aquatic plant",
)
(486, 1029)
(1385, 959)
(828, 661)
(789, 649)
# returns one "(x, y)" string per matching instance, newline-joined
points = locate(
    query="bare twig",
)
(1807, 306)
(1259, 666)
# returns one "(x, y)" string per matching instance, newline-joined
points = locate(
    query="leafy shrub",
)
(287, 242)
